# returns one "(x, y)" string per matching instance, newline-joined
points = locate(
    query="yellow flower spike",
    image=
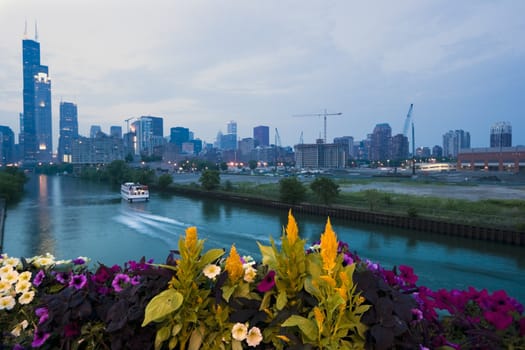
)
(234, 265)
(283, 338)
(191, 238)
(329, 248)
(292, 231)
(360, 300)
(319, 318)
(328, 280)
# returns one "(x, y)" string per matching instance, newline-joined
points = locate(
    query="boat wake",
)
(154, 226)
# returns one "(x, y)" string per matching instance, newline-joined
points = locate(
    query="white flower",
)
(11, 277)
(5, 270)
(211, 271)
(12, 261)
(7, 302)
(249, 274)
(25, 276)
(254, 337)
(239, 331)
(19, 328)
(5, 287)
(26, 297)
(22, 286)
(44, 261)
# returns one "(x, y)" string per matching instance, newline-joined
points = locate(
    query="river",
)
(69, 217)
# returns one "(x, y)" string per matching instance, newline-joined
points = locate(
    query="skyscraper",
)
(501, 135)
(454, 141)
(7, 145)
(68, 130)
(380, 142)
(261, 135)
(148, 131)
(37, 135)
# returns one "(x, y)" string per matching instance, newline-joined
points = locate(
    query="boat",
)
(132, 191)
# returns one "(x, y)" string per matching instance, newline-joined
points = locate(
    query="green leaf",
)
(196, 338)
(227, 292)
(268, 255)
(210, 256)
(162, 305)
(282, 300)
(307, 326)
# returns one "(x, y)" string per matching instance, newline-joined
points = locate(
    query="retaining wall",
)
(413, 223)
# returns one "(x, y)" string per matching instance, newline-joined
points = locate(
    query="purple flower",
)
(63, 277)
(18, 347)
(500, 320)
(79, 261)
(39, 278)
(347, 260)
(135, 280)
(102, 275)
(39, 338)
(407, 274)
(120, 281)
(43, 313)
(78, 281)
(267, 283)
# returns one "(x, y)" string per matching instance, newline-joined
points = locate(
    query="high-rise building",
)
(179, 135)
(94, 130)
(454, 141)
(7, 145)
(115, 131)
(399, 148)
(37, 134)
(261, 135)
(501, 135)
(232, 127)
(149, 134)
(320, 155)
(380, 142)
(348, 143)
(68, 130)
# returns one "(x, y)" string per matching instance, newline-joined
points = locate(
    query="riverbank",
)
(443, 227)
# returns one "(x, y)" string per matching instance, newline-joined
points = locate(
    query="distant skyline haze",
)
(202, 64)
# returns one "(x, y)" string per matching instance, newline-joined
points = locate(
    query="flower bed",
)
(323, 297)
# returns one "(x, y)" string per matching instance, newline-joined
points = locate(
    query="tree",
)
(223, 166)
(164, 181)
(325, 189)
(210, 179)
(252, 164)
(292, 190)
(118, 172)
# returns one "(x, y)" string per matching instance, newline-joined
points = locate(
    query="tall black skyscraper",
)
(68, 130)
(37, 136)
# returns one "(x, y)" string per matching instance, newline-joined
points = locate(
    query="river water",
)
(69, 217)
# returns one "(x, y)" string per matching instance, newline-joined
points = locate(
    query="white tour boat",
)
(132, 191)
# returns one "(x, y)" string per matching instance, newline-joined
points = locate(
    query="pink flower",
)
(522, 327)
(78, 281)
(43, 313)
(267, 283)
(407, 274)
(39, 278)
(500, 320)
(39, 338)
(120, 282)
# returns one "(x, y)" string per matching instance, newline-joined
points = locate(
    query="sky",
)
(200, 64)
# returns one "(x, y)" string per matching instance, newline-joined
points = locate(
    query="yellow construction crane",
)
(324, 115)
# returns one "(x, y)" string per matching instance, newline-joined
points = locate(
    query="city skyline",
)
(460, 64)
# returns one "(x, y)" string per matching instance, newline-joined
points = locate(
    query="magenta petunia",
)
(78, 281)
(42, 313)
(79, 261)
(63, 277)
(522, 327)
(39, 278)
(135, 280)
(39, 338)
(407, 274)
(267, 283)
(500, 320)
(120, 281)
(102, 275)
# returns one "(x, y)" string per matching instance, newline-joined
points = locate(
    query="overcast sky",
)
(200, 64)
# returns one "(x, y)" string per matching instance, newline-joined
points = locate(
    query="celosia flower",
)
(249, 274)
(319, 318)
(239, 331)
(78, 281)
(328, 248)
(120, 281)
(26, 297)
(211, 271)
(254, 337)
(292, 232)
(19, 328)
(42, 313)
(39, 278)
(191, 238)
(39, 338)
(234, 265)
(7, 302)
(267, 283)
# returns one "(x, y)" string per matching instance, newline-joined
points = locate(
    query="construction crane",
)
(324, 115)
(277, 138)
(127, 122)
(408, 120)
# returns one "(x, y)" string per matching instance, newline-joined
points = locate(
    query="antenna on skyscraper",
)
(25, 30)
(36, 32)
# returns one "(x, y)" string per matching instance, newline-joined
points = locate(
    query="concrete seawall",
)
(2, 221)
(413, 223)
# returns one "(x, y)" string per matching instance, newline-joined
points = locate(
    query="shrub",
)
(291, 190)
